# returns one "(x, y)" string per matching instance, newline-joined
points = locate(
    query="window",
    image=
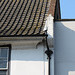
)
(4, 59)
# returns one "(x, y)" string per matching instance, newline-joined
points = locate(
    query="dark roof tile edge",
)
(65, 20)
(25, 35)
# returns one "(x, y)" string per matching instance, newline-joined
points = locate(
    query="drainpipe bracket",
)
(49, 53)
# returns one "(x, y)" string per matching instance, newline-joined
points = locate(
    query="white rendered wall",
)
(29, 61)
(64, 47)
(49, 25)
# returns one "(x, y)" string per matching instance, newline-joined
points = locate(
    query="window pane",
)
(3, 57)
(0, 52)
(3, 64)
(2, 72)
(4, 52)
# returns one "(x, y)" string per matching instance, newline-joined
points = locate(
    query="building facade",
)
(64, 47)
(34, 40)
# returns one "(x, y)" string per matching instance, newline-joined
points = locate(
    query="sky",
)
(67, 9)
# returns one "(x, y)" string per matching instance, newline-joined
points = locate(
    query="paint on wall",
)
(71, 73)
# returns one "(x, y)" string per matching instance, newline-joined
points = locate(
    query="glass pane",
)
(3, 57)
(0, 52)
(4, 52)
(2, 72)
(3, 64)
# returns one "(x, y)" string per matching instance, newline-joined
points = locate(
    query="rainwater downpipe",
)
(49, 53)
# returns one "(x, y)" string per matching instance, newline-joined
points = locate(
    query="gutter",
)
(37, 35)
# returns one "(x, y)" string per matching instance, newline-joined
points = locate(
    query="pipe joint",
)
(49, 53)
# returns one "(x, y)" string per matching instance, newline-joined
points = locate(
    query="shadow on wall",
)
(64, 46)
(37, 54)
(65, 32)
(50, 41)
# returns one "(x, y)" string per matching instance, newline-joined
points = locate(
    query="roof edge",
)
(52, 7)
(65, 20)
(24, 35)
(57, 13)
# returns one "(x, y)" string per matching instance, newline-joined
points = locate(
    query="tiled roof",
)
(52, 7)
(23, 17)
